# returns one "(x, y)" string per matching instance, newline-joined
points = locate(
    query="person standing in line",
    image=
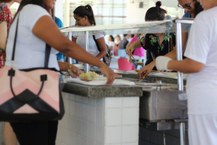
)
(39, 28)
(140, 51)
(111, 43)
(192, 8)
(84, 16)
(117, 44)
(124, 41)
(200, 64)
(5, 22)
(155, 44)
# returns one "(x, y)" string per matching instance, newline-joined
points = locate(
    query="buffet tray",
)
(172, 75)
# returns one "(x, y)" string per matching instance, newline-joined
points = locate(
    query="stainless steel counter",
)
(161, 102)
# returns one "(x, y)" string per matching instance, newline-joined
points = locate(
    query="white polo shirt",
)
(202, 47)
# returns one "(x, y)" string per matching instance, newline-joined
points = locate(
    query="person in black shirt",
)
(155, 44)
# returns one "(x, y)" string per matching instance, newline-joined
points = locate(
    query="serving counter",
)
(161, 99)
(163, 109)
(100, 115)
(109, 115)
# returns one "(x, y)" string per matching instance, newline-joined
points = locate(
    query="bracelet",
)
(69, 70)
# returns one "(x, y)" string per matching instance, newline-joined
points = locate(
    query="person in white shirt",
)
(84, 16)
(200, 64)
(36, 28)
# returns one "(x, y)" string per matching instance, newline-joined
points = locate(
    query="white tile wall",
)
(113, 134)
(113, 116)
(105, 121)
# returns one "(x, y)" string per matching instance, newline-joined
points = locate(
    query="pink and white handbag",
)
(31, 94)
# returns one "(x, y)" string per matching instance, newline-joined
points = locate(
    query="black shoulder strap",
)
(15, 40)
(47, 51)
(47, 55)
(94, 38)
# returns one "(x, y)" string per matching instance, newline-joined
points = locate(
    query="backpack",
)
(107, 58)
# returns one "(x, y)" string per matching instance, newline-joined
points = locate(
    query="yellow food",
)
(88, 76)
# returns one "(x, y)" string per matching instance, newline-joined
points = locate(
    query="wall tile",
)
(113, 135)
(131, 102)
(130, 116)
(112, 102)
(130, 133)
(113, 116)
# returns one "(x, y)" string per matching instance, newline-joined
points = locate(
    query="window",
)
(105, 11)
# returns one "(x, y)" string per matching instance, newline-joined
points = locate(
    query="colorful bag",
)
(31, 94)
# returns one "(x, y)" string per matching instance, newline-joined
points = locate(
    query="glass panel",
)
(118, 12)
(104, 10)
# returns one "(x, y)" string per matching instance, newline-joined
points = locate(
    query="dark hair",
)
(198, 8)
(155, 13)
(112, 38)
(23, 3)
(87, 11)
(35, 2)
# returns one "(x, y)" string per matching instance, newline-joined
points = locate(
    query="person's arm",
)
(144, 72)
(70, 68)
(102, 47)
(186, 66)
(46, 29)
(3, 34)
(132, 46)
(171, 54)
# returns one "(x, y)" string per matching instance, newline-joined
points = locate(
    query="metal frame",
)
(146, 27)
(179, 53)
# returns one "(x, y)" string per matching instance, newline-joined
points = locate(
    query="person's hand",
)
(144, 72)
(74, 71)
(108, 73)
(162, 63)
(129, 50)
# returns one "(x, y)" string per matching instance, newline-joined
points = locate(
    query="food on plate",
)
(88, 76)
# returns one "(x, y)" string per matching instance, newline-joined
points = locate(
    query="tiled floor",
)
(146, 136)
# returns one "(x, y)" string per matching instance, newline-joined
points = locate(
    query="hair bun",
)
(158, 4)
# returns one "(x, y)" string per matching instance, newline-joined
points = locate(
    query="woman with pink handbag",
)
(37, 29)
